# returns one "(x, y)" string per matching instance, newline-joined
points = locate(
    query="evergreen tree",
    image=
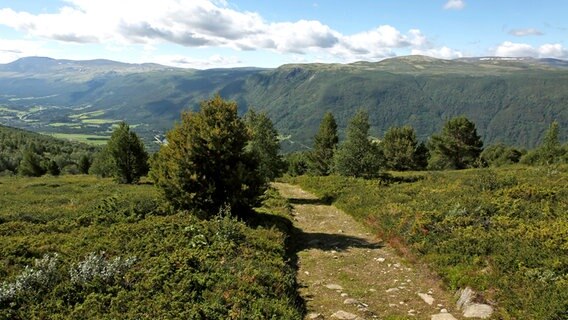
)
(551, 149)
(402, 150)
(458, 146)
(264, 145)
(297, 163)
(30, 165)
(84, 164)
(128, 157)
(102, 165)
(357, 156)
(325, 143)
(52, 168)
(205, 166)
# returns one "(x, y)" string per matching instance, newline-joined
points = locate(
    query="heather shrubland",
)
(83, 247)
(501, 231)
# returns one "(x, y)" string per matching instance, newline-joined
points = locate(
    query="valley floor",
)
(344, 272)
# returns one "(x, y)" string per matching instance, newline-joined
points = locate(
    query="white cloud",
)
(454, 5)
(11, 50)
(525, 32)
(549, 50)
(442, 53)
(553, 50)
(204, 23)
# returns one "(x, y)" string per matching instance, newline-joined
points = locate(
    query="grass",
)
(99, 121)
(85, 247)
(503, 231)
(86, 138)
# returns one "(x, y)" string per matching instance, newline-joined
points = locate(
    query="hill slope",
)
(510, 100)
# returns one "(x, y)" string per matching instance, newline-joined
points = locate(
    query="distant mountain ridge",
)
(512, 100)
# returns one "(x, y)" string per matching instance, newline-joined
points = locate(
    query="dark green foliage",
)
(297, 163)
(127, 155)
(358, 156)
(325, 142)
(100, 250)
(500, 231)
(550, 151)
(205, 167)
(31, 164)
(102, 165)
(14, 143)
(264, 145)
(499, 154)
(84, 164)
(53, 168)
(458, 146)
(402, 150)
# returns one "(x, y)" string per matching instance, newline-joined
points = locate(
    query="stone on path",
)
(350, 301)
(427, 298)
(315, 316)
(471, 309)
(478, 310)
(334, 287)
(344, 315)
(443, 316)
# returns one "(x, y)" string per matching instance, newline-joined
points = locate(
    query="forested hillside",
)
(19, 146)
(510, 101)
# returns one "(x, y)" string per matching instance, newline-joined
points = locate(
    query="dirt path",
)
(346, 273)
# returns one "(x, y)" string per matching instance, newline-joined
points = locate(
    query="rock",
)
(444, 311)
(381, 259)
(372, 290)
(344, 315)
(334, 287)
(392, 290)
(344, 294)
(471, 309)
(315, 316)
(427, 298)
(478, 310)
(466, 297)
(443, 316)
(350, 301)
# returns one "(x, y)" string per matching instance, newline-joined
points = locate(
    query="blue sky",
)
(225, 33)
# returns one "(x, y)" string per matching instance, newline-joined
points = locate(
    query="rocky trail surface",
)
(345, 272)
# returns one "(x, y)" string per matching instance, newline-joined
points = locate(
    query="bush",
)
(204, 167)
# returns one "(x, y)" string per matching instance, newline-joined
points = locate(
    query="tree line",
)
(456, 146)
(32, 154)
(214, 160)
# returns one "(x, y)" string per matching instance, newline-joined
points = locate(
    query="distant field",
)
(86, 138)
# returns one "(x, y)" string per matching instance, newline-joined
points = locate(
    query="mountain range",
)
(511, 100)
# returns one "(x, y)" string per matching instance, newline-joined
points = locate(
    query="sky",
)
(225, 33)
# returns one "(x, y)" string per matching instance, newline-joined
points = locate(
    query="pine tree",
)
(84, 164)
(53, 168)
(357, 156)
(401, 149)
(30, 165)
(325, 143)
(264, 145)
(128, 157)
(458, 146)
(551, 150)
(204, 166)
